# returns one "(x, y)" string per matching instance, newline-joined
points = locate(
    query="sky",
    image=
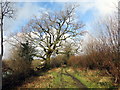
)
(88, 12)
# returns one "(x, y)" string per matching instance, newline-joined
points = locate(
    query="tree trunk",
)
(1, 40)
(1, 55)
(1, 25)
(47, 62)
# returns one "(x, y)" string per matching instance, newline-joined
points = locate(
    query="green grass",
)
(88, 78)
(92, 79)
(36, 63)
(61, 81)
(53, 79)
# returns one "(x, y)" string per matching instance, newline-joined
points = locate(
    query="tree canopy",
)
(51, 30)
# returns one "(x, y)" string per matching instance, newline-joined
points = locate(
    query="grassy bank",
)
(54, 79)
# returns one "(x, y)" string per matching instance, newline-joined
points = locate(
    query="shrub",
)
(82, 61)
(57, 61)
(99, 55)
(19, 64)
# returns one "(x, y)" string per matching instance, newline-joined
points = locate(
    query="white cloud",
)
(22, 15)
(102, 7)
(6, 47)
(100, 10)
(106, 7)
(28, 10)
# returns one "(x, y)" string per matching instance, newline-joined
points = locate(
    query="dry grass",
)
(37, 82)
(53, 79)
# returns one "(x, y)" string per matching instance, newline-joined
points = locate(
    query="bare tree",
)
(105, 49)
(111, 40)
(6, 10)
(52, 30)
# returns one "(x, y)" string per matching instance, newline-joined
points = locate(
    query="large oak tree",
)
(51, 30)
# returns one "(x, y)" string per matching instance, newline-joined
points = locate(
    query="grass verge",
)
(54, 79)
